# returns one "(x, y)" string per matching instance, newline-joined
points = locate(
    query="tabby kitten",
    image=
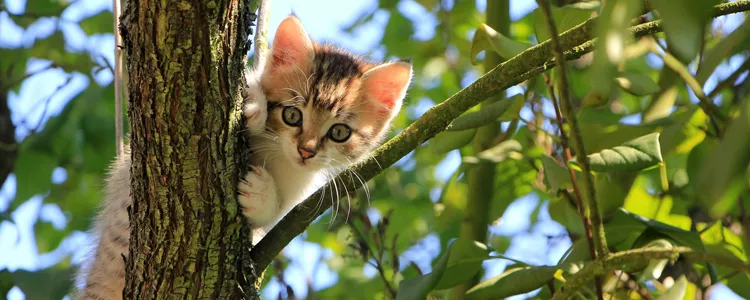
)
(326, 110)
(311, 111)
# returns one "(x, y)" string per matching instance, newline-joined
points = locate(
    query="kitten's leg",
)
(255, 106)
(258, 197)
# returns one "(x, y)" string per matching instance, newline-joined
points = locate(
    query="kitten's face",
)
(328, 108)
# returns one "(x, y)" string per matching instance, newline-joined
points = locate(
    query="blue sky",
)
(18, 250)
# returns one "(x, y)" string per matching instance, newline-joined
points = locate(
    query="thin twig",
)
(525, 65)
(590, 214)
(744, 221)
(261, 33)
(627, 257)
(729, 81)
(119, 147)
(704, 102)
(568, 157)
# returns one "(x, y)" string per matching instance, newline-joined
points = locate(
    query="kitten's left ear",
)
(386, 86)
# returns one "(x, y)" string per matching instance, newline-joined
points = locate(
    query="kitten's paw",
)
(257, 197)
(256, 113)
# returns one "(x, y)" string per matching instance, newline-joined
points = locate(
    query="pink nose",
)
(305, 153)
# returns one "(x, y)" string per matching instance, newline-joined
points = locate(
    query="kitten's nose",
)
(305, 153)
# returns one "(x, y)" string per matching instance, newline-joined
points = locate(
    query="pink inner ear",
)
(386, 92)
(281, 56)
(387, 84)
(290, 44)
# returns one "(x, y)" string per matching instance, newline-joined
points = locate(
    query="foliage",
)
(669, 172)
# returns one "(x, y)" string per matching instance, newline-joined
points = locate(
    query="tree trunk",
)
(185, 60)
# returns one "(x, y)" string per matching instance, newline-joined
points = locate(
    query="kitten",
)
(326, 109)
(311, 111)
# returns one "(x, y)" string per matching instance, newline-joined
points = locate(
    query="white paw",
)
(256, 114)
(257, 197)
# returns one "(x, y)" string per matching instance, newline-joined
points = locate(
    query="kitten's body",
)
(311, 111)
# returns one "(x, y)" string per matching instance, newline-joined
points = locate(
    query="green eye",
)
(339, 133)
(292, 116)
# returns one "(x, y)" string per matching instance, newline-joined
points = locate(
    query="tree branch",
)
(261, 33)
(590, 214)
(525, 65)
(623, 258)
(118, 78)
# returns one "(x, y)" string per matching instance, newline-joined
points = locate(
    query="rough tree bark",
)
(185, 60)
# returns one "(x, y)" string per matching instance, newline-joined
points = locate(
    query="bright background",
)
(324, 20)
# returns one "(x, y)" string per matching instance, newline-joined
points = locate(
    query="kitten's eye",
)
(339, 133)
(292, 116)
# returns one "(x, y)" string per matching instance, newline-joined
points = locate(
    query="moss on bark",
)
(185, 60)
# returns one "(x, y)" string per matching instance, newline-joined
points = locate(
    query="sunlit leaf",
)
(628, 225)
(417, 288)
(677, 291)
(487, 39)
(637, 84)
(465, 261)
(633, 155)
(735, 41)
(503, 110)
(721, 177)
(498, 153)
(565, 18)
(512, 282)
(684, 24)
(98, 23)
(613, 36)
(656, 266)
(450, 140)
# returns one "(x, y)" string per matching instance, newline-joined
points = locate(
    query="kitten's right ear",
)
(291, 45)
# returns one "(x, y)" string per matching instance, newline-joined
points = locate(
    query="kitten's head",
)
(328, 107)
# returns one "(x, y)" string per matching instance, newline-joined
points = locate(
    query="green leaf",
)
(677, 291)
(503, 110)
(655, 266)
(613, 36)
(417, 288)
(634, 155)
(465, 261)
(688, 131)
(48, 238)
(565, 18)
(13, 67)
(49, 283)
(450, 140)
(637, 84)
(598, 135)
(498, 153)
(488, 39)
(102, 22)
(556, 175)
(565, 213)
(53, 48)
(46, 7)
(33, 174)
(626, 224)
(722, 176)
(512, 282)
(684, 23)
(724, 49)
(612, 188)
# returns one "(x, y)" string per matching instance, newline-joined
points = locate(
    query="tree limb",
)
(589, 214)
(623, 258)
(523, 66)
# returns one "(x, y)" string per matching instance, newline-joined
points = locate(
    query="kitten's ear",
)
(386, 85)
(291, 45)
